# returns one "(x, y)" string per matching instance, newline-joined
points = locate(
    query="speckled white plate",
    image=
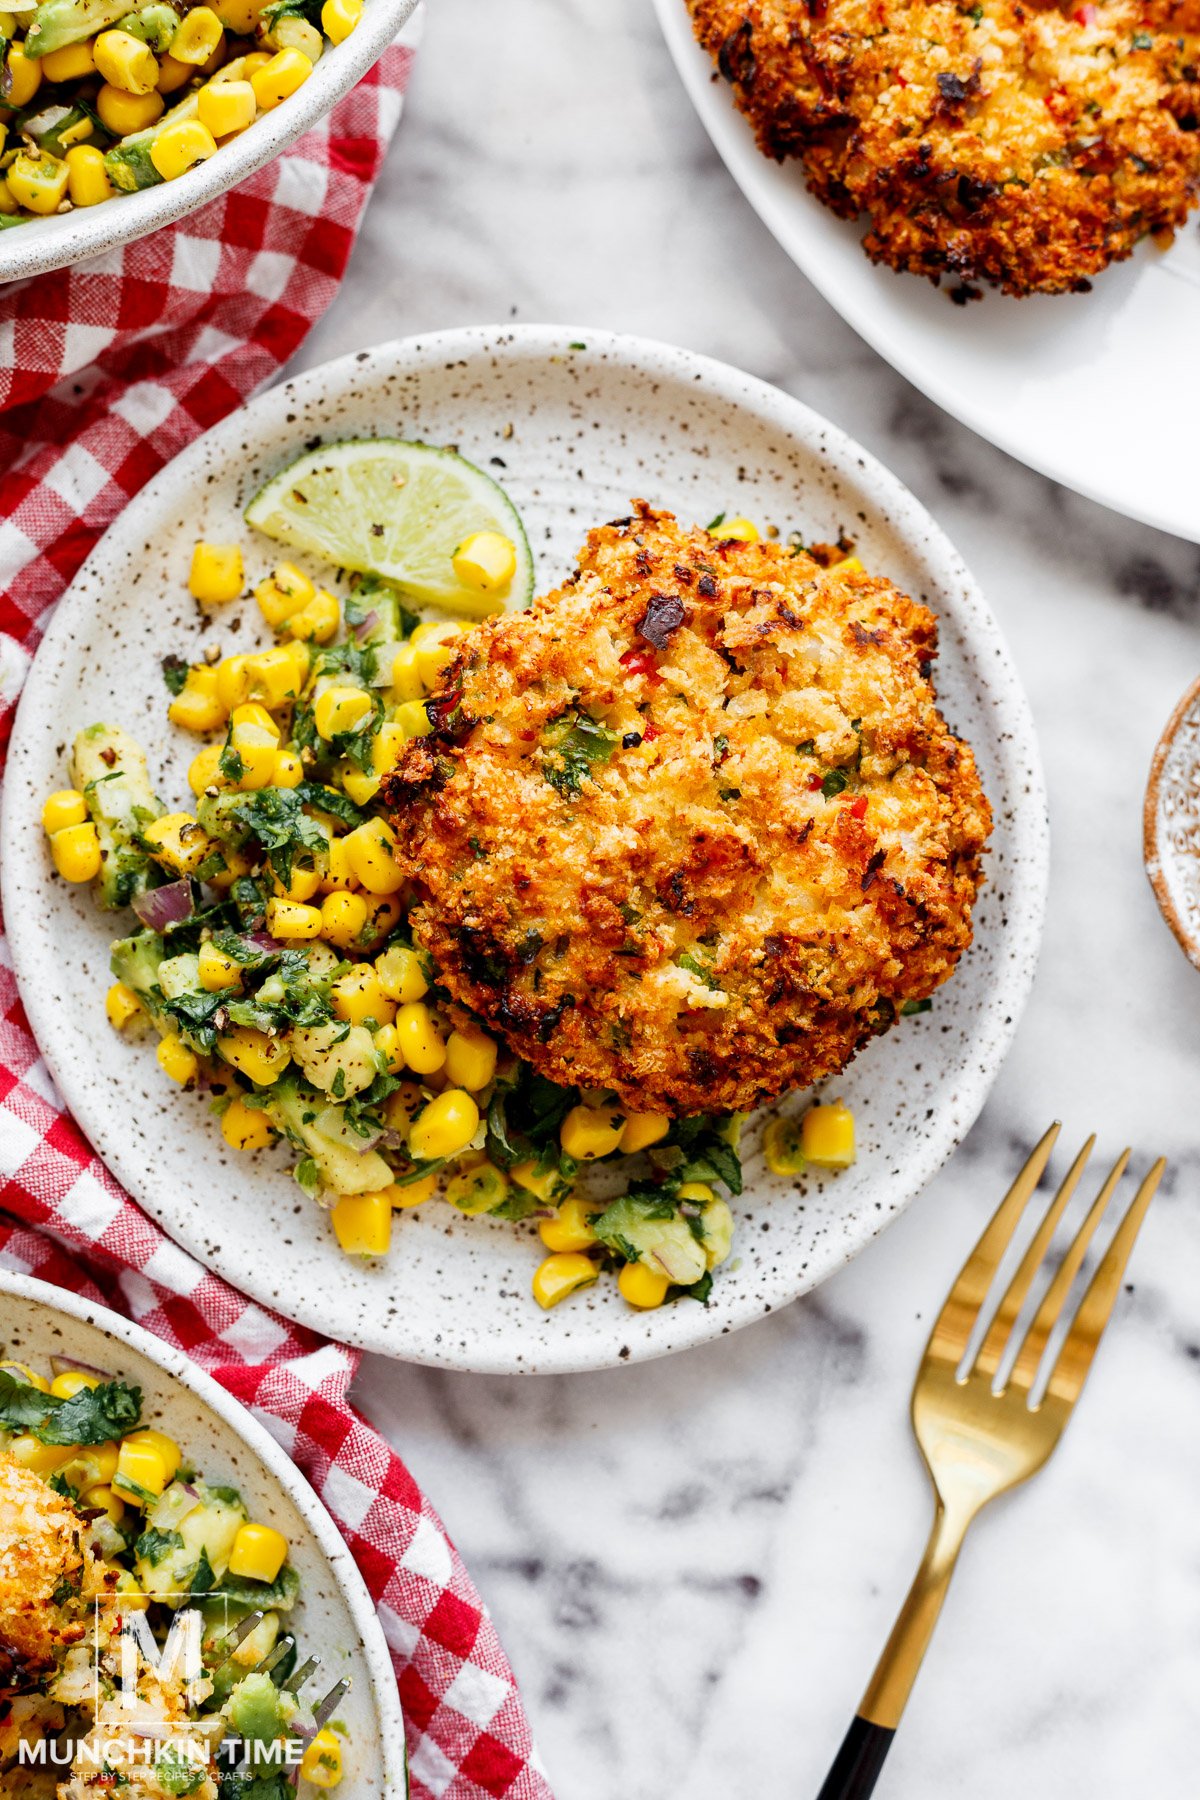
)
(52, 243)
(576, 423)
(1060, 382)
(335, 1618)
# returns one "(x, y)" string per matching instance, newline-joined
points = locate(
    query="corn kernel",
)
(224, 107)
(827, 1136)
(290, 32)
(370, 852)
(39, 1458)
(94, 1464)
(294, 583)
(72, 1381)
(141, 1470)
(570, 1228)
(172, 74)
(217, 971)
(361, 788)
(321, 1764)
(358, 996)
(166, 1447)
(478, 1186)
(743, 531)
(695, 1190)
(123, 113)
(302, 884)
(178, 841)
(782, 1149)
(413, 718)
(67, 807)
(446, 1126)
(176, 1060)
(102, 1499)
(200, 32)
(71, 63)
(287, 771)
(24, 77)
(402, 1107)
(204, 770)
(404, 1194)
(643, 1129)
(339, 17)
(289, 919)
(121, 1005)
(363, 1223)
(486, 561)
(560, 1275)
(257, 1056)
(124, 62)
(337, 873)
(850, 565)
(388, 742)
(246, 1127)
(37, 181)
(271, 676)
(384, 913)
(255, 749)
(7, 203)
(406, 674)
(470, 1059)
(435, 651)
(179, 148)
(232, 681)
(251, 713)
(387, 1044)
(419, 1039)
(87, 177)
(344, 918)
(341, 709)
(642, 1287)
(239, 16)
(547, 1184)
(198, 706)
(318, 621)
(588, 1132)
(258, 1553)
(274, 604)
(76, 852)
(216, 573)
(280, 77)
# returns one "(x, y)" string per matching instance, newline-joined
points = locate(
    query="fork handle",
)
(857, 1764)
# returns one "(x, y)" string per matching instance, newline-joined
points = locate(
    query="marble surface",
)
(694, 1563)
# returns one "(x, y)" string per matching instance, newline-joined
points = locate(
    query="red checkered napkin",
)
(106, 371)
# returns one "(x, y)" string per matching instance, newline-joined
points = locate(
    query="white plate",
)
(70, 237)
(1067, 384)
(335, 1618)
(575, 433)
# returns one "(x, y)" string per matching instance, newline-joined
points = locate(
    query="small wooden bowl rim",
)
(1188, 941)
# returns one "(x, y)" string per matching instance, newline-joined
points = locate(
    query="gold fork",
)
(978, 1442)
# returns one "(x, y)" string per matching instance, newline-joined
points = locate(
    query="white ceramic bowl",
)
(335, 1618)
(576, 423)
(42, 244)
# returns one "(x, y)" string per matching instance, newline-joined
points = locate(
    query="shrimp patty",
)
(1020, 144)
(692, 828)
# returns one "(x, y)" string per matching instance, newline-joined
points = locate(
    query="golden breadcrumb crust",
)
(1024, 145)
(692, 828)
(41, 1555)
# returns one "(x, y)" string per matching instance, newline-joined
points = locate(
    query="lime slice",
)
(383, 507)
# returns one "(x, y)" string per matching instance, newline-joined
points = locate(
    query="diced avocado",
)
(653, 1231)
(186, 1545)
(220, 1620)
(57, 23)
(129, 163)
(109, 769)
(155, 24)
(7, 219)
(716, 1231)
(325, 1051)
(217, 815)
(136, 962)
(179, 975)
(213, 1526)
(254, 1710)
(322, 1130)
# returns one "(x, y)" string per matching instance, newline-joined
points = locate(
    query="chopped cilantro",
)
(573, 743)
(175, 673)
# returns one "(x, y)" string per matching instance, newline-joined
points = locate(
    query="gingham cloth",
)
(106, 371)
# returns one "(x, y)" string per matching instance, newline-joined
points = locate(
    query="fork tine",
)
(1087, 1328)
(1025, 1368)
(956, 1321)
(992, 1350)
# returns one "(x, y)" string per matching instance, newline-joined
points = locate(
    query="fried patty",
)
(692, 828)
(1024, 145)
(43, 1566)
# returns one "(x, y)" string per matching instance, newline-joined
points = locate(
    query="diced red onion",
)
(365, 625)
(393, 1140)
(67, 1365)
(165, 906)
(262, 940)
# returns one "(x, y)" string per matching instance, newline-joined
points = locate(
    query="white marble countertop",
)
(694, 1563)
